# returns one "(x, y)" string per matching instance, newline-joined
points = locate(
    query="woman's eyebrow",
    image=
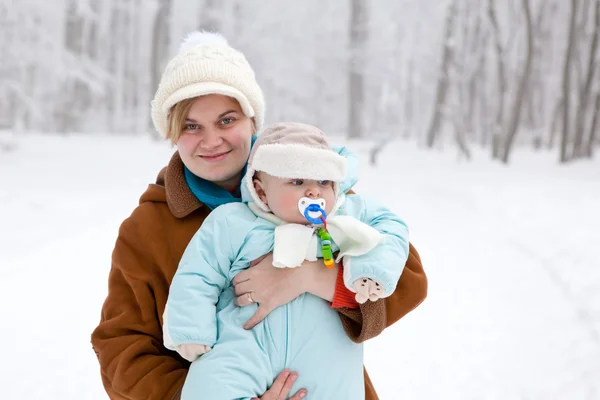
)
(225, 113)
(220, 116)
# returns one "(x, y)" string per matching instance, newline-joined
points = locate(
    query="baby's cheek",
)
(290, 203)
(330, 199)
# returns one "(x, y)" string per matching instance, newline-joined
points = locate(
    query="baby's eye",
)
(324, 183)
(297, 182)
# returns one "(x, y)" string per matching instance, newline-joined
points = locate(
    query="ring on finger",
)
(249, 296)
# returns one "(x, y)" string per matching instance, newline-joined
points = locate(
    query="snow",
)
(513, 310)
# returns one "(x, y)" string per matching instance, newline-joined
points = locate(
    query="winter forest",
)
(469, 73)
(475, 121)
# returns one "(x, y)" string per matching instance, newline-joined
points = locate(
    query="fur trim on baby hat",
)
(294, 150)
(206, 64)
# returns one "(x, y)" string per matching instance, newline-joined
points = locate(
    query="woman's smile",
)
(215, 157)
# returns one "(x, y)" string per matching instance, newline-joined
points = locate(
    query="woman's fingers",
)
(260, 314)
(245, 299)
(258, 260)
(241, 277)
(277, 386)
(282, 386)
(299, 395)
(243, 287)
(287, 386)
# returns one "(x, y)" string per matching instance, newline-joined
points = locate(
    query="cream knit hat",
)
(294, 150)
(206, 64)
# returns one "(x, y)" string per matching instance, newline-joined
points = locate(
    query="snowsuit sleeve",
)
(385, 262)
(190, 314)
(371, 318)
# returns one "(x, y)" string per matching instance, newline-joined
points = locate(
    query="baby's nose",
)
(313, 191)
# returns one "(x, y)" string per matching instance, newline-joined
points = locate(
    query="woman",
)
(212, 88)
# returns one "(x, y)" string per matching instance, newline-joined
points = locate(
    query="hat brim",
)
(295, 161)
(205, 88)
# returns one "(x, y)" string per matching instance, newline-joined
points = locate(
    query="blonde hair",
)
(176, 120)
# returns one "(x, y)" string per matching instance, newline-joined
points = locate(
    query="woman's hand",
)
(282, 387)
(272, 287)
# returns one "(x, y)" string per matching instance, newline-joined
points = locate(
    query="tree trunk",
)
(499, 123)
(444, 80)
(523, 84)
(584, 97)
(160, 46)
(592, 136)
(358, 47)
(566, 83)
(409, 106)
(557, 115)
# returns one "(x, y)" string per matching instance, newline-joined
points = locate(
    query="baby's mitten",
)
(367, 289)
(192, 351)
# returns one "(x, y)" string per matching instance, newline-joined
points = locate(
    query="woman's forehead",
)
(213, 105)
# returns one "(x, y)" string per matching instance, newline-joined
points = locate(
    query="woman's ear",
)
(260, 190)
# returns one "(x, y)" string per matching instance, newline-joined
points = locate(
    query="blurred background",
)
(477, 73)
(475, 120)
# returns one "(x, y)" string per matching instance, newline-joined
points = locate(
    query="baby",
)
(294, 206)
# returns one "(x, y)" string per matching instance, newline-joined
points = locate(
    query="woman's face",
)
(215, 141)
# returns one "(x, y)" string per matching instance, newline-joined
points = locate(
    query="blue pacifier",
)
(313, 210)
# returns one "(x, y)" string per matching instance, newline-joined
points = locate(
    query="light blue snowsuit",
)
(306, 335)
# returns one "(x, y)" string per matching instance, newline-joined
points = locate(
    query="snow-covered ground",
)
(511, 253)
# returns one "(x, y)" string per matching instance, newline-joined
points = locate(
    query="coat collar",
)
(180, 199)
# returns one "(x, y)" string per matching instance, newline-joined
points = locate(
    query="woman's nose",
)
(211, 139)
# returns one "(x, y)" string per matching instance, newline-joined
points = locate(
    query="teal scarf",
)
(210, 194)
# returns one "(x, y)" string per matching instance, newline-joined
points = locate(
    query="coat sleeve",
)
(371, 318)
(134, 364)
(190, 314)
(385, 262)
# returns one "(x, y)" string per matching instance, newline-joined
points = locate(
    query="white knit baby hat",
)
(206, 64)
(294, 150)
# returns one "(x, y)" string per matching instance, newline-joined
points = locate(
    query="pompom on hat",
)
(206, 64)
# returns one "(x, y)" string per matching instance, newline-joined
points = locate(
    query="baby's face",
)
(282, 195)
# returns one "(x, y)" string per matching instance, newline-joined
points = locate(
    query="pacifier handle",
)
(315, 208)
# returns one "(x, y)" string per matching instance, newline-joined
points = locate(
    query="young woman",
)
(213, 88)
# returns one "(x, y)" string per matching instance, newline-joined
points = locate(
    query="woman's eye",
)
(324, 183)
(191, 127)
(297, 182)
(227, 121)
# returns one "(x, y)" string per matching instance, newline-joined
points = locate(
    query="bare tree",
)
(535, 91)
(593, 128)
(556, 120)
(409, 101)
(500, 69)
(521, 89)
(160, 46)
(566, 83)
(359, 20)
(584, 96)
(443, 79)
